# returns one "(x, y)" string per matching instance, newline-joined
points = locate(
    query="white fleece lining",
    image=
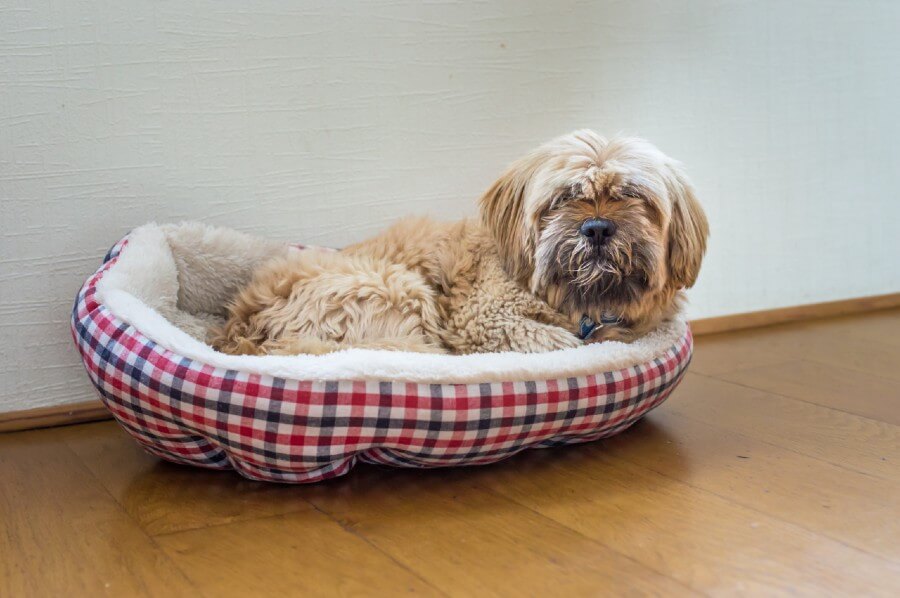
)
(142, 289)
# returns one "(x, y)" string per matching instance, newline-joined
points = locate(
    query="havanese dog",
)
(583, 240)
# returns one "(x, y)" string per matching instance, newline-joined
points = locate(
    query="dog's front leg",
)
(531, 336)
(487, 321)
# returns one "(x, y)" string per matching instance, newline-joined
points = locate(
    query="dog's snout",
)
(598, 230)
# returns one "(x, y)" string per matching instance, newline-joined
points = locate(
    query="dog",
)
(583, 240)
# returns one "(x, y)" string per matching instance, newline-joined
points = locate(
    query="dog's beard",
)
(589, 277)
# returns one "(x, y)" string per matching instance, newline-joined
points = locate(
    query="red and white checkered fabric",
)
(286, 430)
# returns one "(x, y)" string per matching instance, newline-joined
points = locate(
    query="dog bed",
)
(141, 321)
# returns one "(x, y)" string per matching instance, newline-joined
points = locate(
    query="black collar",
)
(587, 326)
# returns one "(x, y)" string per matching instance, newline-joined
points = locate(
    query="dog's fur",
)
(519, 280)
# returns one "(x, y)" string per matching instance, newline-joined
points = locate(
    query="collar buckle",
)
(587, 327)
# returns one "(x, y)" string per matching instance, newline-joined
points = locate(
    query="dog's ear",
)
(502, 210)
(688, 230)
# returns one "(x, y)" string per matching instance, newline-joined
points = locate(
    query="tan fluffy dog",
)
(583, 239)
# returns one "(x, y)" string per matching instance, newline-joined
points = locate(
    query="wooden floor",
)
(774, 468)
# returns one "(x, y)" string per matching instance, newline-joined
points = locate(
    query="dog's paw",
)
(560, 338)
(535, 337)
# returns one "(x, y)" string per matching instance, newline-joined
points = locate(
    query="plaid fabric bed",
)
(298, 431)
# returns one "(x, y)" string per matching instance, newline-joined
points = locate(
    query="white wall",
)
(324, 122)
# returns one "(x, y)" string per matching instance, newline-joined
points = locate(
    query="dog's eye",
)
(631, 193)
(563, 196)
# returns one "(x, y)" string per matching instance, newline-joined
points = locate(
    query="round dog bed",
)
(141, 320)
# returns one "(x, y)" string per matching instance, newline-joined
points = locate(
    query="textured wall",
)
(324, 122)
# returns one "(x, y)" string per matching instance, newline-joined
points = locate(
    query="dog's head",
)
(589, 223)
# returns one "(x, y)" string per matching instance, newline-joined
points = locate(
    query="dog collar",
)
(587, 326)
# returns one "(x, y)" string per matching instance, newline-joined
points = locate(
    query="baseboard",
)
(783, 315)
(57, 415)
(89, 411)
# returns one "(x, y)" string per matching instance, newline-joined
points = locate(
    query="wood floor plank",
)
(300, 554)
(61, 534)
(851, 507)
(164, 497)
(830, 386)
(703, 540)
(467, 541)
(847, 440)
(873, 357)
(719, 353)
(880, 326)
(829, 342)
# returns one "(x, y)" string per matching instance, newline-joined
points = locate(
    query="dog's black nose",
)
(598, 230)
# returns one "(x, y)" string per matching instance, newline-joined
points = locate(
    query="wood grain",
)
(853, 508)
(471, 542)
(61, 534)
(302, 554)
(880, 327)
(163, 497)
(759, 476)
(869, 395)
(866, 343)
(702, 539)
(843, 439)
